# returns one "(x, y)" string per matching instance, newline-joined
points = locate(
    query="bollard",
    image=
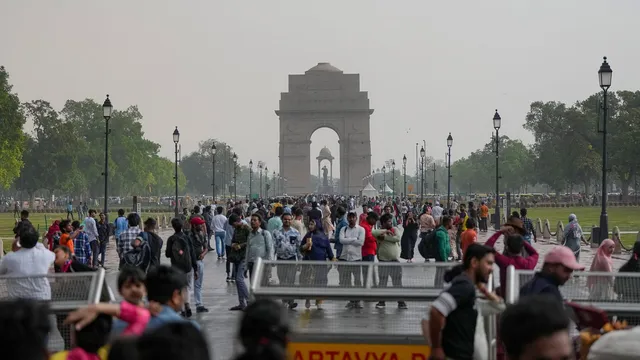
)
(615, 236)
(538, 228)
(546, 231)
(560, 233)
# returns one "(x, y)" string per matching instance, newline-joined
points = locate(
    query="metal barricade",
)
(64, 293)
(368, 330)
(616, 293)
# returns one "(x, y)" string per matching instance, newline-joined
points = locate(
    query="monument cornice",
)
(298, 112)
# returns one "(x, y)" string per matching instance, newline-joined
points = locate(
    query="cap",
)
(563, 255)
(196, 220)
(619, 345)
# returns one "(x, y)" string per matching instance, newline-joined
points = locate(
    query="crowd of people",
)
(153, 318)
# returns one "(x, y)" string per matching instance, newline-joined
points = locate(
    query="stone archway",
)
(324, 97)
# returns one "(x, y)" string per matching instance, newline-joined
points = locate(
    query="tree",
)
(12, 138)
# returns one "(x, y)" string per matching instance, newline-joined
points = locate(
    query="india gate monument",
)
(324, 97)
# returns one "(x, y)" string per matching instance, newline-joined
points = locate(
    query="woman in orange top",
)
(469, 236)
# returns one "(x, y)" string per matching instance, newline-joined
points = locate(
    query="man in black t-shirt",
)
(452, 318)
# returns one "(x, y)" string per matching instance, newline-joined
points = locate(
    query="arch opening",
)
(325, 160)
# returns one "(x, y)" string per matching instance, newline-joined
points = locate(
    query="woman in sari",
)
(573, 236)
(315, 247)
(601, 287)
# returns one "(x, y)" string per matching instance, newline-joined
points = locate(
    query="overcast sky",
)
(216, 68)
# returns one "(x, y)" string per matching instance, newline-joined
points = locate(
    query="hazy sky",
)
(216, 68)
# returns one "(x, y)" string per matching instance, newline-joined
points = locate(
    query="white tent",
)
(387, 189)
(369, 191)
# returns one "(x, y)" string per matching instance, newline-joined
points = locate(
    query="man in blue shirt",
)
(166, 285)
(121, 224)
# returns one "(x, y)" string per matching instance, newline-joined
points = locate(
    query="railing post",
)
(510, 293)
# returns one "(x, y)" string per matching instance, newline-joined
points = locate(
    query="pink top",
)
(137, 317)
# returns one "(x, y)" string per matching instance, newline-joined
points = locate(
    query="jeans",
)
(220, 248)
(103, 251)
(197, 288)
(95, 250)
(241, 287)
(483, 223)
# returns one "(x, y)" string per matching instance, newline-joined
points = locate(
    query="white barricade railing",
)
(616, 293)
(63, 293)
(420, 282)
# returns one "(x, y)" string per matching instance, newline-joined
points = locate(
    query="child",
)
(132, 289)
(91, 339)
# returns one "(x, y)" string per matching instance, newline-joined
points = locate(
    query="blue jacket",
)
(542, 284)
(342, 222)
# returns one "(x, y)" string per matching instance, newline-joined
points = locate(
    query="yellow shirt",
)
(103, 353)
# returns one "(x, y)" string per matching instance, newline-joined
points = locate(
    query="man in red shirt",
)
(363, 217)
(370, 247)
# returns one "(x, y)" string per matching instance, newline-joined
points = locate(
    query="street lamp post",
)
(404, 170)
(449, 144)
(235, 177)
(422, 153)
(260, 164)
(176, 140)
(213, 173)
(274, 183)
(435, 182)
(384, 180)
(250, 179)
(393, 176)
(279, 184)
(266, 182)
(106, 113)
(497, 122)
(604, 75)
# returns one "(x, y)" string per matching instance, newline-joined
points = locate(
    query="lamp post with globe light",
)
(449, 144)
(176, 140)
(106, 114)
(604, 75)
(497, 123)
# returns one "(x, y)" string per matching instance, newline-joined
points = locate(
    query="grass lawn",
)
(42, 222)
(625, 218)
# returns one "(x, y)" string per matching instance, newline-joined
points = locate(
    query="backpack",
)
(428, 246)
(181, 253)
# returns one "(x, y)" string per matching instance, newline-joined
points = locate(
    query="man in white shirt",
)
(218, 221)
(28, 259)
(91, 229)
(436, 212)
(351, 238)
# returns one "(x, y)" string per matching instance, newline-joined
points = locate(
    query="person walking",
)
(103, 238)
(91, 229)
(183, 258)
(198, 240)
(236, 255)
(573, 236)
(259, 244)
(219, 221)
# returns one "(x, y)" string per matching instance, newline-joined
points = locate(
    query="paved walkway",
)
(219, 296)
